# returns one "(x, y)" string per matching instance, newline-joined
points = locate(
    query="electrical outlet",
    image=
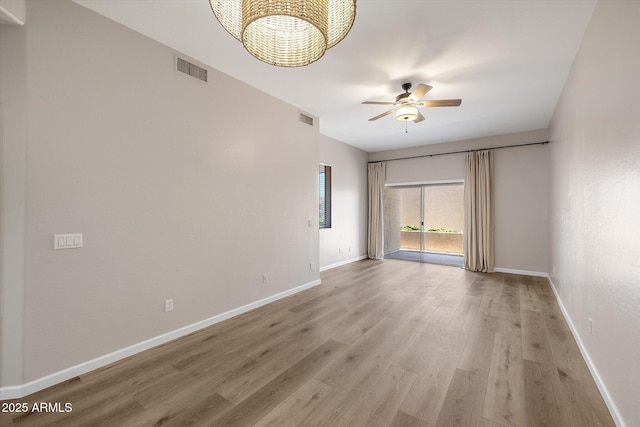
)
(310, 266)
(168, 305)
(265, 278)
(590, 325)
(339, 250)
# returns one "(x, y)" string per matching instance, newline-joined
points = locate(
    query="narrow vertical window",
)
(325, 196)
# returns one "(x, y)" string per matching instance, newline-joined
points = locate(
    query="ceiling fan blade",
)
(420, 91)
(379, 116)
(441, 103)
(378, 103)
(419, 118)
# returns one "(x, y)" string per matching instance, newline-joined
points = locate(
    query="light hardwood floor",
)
(379, 343)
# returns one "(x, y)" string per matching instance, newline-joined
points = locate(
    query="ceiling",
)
(507, 59)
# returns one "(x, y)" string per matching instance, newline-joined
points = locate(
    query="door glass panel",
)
(402, 222)
(443, 218)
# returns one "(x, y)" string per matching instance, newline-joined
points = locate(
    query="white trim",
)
(348, 261)
(19, 391)
(520, 272)
(613, 409)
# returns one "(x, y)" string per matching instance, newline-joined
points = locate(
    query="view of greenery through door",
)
(424, 219)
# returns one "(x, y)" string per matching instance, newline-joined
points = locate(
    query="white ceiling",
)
(507, 59)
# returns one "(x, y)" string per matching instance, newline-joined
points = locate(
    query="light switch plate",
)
(67, 241)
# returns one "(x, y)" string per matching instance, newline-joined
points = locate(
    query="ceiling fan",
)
(407, 104)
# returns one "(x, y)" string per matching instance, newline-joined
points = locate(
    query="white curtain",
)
(478, 211)
(376, 192)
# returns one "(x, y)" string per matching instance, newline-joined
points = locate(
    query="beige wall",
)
(595, 201)
(521, 190)
(13, 11)
(346, 240)
(177, 195)
(13, 163)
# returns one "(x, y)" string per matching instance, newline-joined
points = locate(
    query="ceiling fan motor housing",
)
(401, 98)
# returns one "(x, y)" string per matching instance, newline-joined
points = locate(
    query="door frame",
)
(422, 186)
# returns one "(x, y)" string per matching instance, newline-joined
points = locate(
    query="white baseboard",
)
(348, 261)
(16, 392)
(521, 272)
(615, 414)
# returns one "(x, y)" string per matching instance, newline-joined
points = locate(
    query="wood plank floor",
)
(379, 343)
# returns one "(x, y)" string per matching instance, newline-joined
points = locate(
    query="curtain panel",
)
(478, 240)
(376, 179)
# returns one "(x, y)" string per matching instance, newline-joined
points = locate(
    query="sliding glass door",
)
(424, 223)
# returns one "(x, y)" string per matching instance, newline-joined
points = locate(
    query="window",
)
(325, 196)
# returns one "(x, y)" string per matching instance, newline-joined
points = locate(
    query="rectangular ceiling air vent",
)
(306, 119)
(192, 69)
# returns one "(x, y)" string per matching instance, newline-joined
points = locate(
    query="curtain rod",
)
(462, 151)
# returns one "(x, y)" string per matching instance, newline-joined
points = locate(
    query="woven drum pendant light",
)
(286, 33)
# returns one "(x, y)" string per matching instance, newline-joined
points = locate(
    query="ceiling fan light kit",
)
(406, 114)
(286, 33)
